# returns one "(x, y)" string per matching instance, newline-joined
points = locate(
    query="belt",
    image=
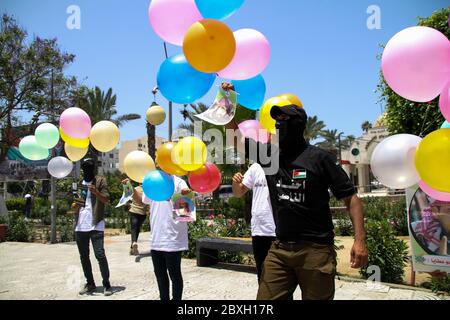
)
(292, 245)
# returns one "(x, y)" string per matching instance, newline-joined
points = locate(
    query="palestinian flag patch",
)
(299, 174)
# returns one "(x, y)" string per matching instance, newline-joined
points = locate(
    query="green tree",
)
(102, 106)
(29, 70)
(404, 116)
(313, 128)
(331, 140)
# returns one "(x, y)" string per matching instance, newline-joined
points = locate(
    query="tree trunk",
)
(151, 140)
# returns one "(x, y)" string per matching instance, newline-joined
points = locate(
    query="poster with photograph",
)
(184, 207)
(429, 228)
(127, 195)
(222, 110)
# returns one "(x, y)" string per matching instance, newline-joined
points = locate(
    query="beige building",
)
(108, 162)
(356, 160)
(139, 144)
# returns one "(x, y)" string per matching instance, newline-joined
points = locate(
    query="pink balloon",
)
(437, 195)
(171, 19)
(206, 179)
(76, 123)
(254, 130)
(444, 101)
(416, 63)
(251, 58)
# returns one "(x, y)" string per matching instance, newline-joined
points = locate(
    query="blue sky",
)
(322, 51)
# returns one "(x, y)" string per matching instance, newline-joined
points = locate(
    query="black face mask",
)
(290, 134)
(88, 172)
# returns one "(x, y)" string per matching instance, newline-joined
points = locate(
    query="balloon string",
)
(424, 120)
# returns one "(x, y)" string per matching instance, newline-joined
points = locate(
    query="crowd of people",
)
(291, 224)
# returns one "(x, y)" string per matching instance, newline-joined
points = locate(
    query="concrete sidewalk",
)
(40, 271)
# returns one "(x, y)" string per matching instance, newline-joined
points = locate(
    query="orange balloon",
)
(292, 99)
(164, 160)
(209, 45)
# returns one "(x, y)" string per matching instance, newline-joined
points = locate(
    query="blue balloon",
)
(446, 125)
(180, 83)
(251, 92)
(158, 185)
(218, 9)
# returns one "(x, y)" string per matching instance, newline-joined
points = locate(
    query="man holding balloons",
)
(303, 252)
(90, 225)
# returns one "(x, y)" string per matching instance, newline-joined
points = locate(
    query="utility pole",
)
(340, 149)
(53, 182)
(170, 102)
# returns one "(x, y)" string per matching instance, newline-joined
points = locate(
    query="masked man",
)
(90, 225)
(303, 253)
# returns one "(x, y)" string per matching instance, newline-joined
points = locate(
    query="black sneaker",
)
(87, 289)
(107, 291)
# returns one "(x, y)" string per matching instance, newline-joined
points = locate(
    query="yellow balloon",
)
(155, 115)
(209, 45)
(292, 98)
(164, 160)
(74, 142)
(73, 153)
(264, 115)
(433, 160)
(137, 164)
(104, 136)
(189, 154)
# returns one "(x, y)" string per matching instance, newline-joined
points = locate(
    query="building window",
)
(111, 155)
(140, 145)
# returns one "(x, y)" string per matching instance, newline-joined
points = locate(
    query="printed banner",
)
(429, 229)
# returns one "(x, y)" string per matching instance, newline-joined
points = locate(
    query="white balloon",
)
(60, 167)
(392, 161)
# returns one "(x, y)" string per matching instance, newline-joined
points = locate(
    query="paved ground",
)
(39, 271)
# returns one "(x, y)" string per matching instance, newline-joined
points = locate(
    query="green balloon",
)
(30, 149)
(47, 135)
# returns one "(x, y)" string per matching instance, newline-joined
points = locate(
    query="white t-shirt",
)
(167, 234)
(262, 218)
(85, 216)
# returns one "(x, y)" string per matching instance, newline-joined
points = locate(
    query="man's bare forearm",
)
(355, 208)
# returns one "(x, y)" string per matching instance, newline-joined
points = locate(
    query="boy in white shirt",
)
(168, 239)
(262, 223)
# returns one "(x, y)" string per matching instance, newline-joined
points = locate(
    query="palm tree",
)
(348, 141)
(366, 125)
(331, 140)
(102, 106)
(313, 128)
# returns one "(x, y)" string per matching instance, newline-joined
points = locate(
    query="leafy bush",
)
(439, 284)
(385, 251)
(343, 226)
(375, 209)
(18, 229)
(15, 204)
(65, 228)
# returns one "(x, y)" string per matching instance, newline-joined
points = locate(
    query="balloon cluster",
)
(186, 157)
(76, 131)
(210, 49)
(416, 65)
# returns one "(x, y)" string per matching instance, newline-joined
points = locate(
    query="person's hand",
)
(93, 189)
(125, 181)
(186, 191)
(358, 256)
(227, 86)
(238, 178)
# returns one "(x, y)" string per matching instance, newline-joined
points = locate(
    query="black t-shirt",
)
(299, 192)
